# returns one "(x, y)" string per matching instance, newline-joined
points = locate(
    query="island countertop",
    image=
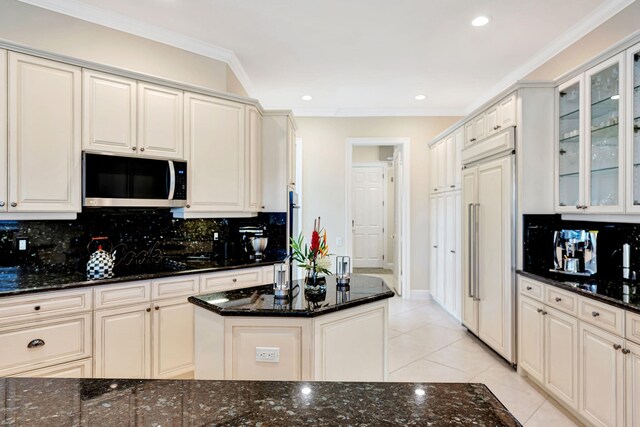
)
(260, 300)
(74, 402)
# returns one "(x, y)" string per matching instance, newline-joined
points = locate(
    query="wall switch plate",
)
(22, 243)
(339, 242)
(215, 236)
(268, 354)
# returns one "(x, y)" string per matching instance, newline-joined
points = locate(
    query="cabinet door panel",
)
(561, 356)
(450, 159)
(433, 250)
(491, 120)
(160, 115)
(441, 274)
(601, 377)
(122, 339)
(253, 157)
(449, 264)
(507, 112)
(173, 338)
(530, 335)
(458, 142)
(433, 172)
(108, 112)
(215, 135)
(44, 135)
(479, 127)
(632, 134)
(632, 378)
(441, 151)
(469, 136)
(469, 305)
(3, 132)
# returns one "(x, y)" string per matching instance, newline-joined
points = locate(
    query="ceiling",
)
(361, 57)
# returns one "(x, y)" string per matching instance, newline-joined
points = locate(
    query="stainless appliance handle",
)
(470, 248)
(476, 251)
(172, 179)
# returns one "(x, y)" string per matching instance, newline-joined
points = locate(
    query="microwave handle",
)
(172, 179)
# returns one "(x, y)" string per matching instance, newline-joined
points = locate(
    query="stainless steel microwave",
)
(120, 181)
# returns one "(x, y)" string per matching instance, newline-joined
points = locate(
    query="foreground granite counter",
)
(93, 402)
(608, 291)
(15, 282)
(260, 301)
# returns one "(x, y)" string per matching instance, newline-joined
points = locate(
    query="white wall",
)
(366, 154)
(324, 175)
(42, 29)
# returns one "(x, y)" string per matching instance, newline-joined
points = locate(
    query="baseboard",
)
(420, 294)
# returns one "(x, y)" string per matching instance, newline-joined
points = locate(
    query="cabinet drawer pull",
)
(157, 308)
(558, 299)
(142, 149)
(14, 204)
(617, 346)
(36, 308)
(529, 288)
(234, 280)
(595, 314)
(1, 204)
(35, 343)
(133, 148)
(453, 252)
(148, 309)
(626, 351)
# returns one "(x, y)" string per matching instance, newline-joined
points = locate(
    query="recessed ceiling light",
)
(307, 98)
(480, 21)
(420, 97)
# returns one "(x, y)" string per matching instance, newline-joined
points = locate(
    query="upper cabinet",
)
(160, 114)
(591, 142)
(445, 158)
(497, 117)
(633, 129)
(44, 143)
(253, 159)
(109, 113)
(124, 116)
(3, 132)
(278, 144)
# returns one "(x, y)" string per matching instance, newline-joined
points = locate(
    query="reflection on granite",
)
(615, 292)
(94, 402)
(15, 282)
(260, 300)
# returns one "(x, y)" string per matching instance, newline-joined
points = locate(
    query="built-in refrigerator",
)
(488, 223)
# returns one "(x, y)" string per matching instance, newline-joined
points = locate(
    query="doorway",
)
(378, 208)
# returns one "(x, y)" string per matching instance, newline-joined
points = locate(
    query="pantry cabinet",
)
(3, 133)
(160, 121)
(109, 113)
(253, 156)
(43, 106)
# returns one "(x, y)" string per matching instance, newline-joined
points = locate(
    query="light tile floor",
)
(428, 345)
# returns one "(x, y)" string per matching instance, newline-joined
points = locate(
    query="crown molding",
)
(116, 21)
(377, 112)
(601, 14)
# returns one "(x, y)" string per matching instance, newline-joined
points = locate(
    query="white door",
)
(469, 199)
(215, 137)
(160, 121)
(397, 205)
(531, 337)
(561, 356)
(253, 157)
(633, 384)
(122, 342)
(368, 216)
(433, 247)
(173, 338)
(441, 273)
(109, 108)
(44, 135)
(601, 377)
(3, 132)
(495, 278)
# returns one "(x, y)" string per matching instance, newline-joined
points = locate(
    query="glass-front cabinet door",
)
(569, 164)
(604, 139)
(633, 130)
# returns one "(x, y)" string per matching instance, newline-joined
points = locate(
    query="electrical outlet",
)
(22, 243)
(339, 242)
(215, 236)
(268, 354)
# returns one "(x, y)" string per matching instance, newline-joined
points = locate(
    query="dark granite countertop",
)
(607, 291)
(15, 282)
(260, 301)
(104, 402)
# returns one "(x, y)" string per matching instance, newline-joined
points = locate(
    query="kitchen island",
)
(92, 402)
(338, 335)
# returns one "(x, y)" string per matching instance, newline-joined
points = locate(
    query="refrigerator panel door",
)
(469, 304)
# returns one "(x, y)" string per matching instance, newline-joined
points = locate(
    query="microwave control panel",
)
(180, 192)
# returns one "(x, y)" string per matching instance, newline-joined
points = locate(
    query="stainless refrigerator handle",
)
(172, 179)
(476, 281)
(470, 248)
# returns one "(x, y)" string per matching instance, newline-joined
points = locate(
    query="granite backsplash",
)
(538, 244)
(144, 240)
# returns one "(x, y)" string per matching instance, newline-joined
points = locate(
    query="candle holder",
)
(281, 286)
(343, 270)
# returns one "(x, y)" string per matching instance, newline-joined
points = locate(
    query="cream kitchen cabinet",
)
(278, 148)
(160, 121)
(215, 137)
(456, 162)
(78, 369)
(173, 339)
(445, 162)
(44, 144)
(494, 119)
(253, 156)
(4, 204)
(109, 113)
(531, 337)
(632, 375)
(632, 131)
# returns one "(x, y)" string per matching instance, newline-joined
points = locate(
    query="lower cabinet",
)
(561, 356)
(531, 338)
(633, 384)
(602, 377)
(173, 339)
(78, 369)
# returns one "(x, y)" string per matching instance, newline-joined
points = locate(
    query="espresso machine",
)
(575, 252)
(253, 241)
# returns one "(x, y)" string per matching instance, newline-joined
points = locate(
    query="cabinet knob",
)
(452, 186)
(539, 310)
(498, 127)
(188, 206)
(36, 343)
(157, 308)
(36, 308)
(234, 280)
(595, 314)
(617, 346)
(453, 252)
(142, 149)
(134, 148)
(558, 299)
(261, 207)
(1, 204)
(529, 288)
(544, 313)
(14, 204)
(435, 247)
(626, 351)
(148, 309)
